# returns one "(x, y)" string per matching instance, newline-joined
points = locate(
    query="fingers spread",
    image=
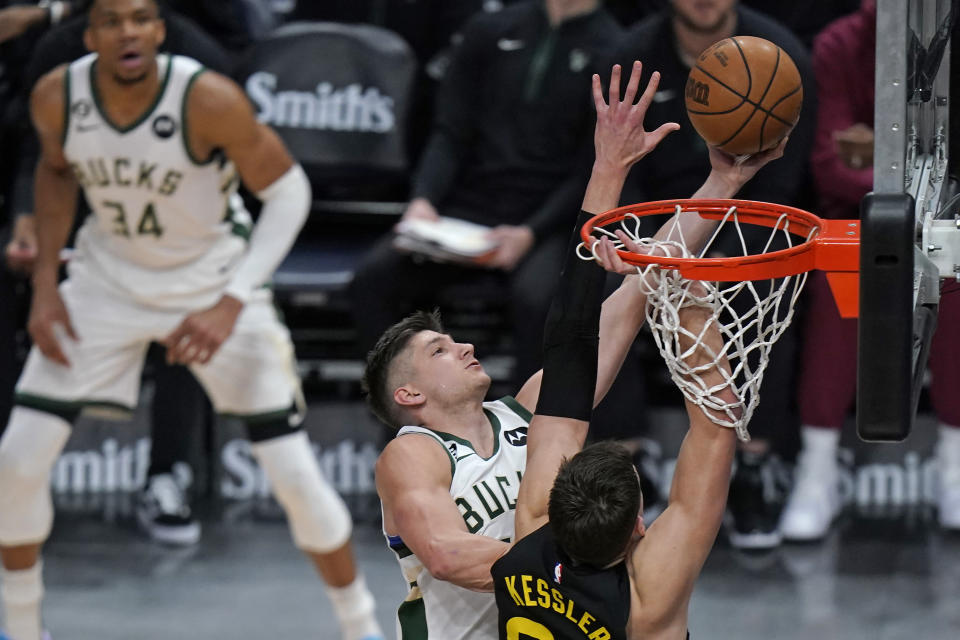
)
(663, 131)
(634, 83)
(614, 85)
(651, 89)
(598, 102)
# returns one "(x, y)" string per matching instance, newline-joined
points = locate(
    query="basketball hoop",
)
(751, 296)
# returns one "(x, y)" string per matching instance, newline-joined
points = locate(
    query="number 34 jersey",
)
(168, 229)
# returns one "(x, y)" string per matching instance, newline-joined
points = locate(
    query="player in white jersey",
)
(448, 510)
(159, 145)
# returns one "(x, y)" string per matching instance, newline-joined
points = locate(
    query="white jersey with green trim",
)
(168, 229)
(485, 491)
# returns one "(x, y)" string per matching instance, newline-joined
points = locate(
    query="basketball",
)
(744, 95)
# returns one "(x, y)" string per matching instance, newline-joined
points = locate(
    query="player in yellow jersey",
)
(583, 565)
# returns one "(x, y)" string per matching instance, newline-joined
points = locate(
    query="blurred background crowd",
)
(480, 110)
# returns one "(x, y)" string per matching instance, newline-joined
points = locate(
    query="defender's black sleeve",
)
(572, 336)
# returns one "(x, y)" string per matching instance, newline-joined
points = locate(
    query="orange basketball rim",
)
(832, 246)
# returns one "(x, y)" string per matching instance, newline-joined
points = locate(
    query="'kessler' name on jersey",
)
(529, 592)
(489, 500)
(126, 173)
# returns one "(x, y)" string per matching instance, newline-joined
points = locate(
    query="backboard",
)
(910, 235)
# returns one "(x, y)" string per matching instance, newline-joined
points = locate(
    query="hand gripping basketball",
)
(744, 95)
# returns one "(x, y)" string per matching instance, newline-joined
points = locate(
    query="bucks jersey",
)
(167, 228)
(485, 491)
(540, 594)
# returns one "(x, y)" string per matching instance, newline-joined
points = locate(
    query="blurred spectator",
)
(805, 18)
(629, 12)
(232, 23)
(179, 406)
(429, 26)
(669, 42)
(516, 168)
(20, 26)
(842, 163)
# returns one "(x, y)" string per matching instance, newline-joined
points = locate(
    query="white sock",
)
(821, 443)
(949, 440)
(948, 448)
(22, 592)
(354, 607)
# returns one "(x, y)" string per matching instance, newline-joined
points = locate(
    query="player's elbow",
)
(439, 561)
(291, 194)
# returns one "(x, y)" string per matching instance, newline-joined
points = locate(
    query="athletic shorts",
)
(253, 374)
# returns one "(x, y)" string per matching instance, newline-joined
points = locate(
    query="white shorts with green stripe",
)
(253, 374)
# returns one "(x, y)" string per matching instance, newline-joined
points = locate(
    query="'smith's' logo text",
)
(350, 108)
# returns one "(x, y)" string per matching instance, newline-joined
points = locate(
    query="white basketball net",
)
(750, 317)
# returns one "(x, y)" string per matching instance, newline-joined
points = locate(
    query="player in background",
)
(159, 146)
(583, 564)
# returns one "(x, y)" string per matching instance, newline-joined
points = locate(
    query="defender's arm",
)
(677, 544)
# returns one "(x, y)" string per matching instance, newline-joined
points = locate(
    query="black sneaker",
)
(756, 498)
(163, 512)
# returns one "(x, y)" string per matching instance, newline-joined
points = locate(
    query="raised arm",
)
(55, 204)
(566, 394)
(413, 481)
(727, 176)
(665, 566)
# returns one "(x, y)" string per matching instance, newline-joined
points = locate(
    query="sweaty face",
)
(703, 16)
(126, 34)
(444, 370)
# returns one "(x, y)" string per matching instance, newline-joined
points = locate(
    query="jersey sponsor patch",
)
(517, 437)
(164, 126)
(81, 108)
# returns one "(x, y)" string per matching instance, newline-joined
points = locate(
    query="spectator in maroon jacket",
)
(842, 163)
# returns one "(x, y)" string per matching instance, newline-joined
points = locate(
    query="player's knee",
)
(319, 519)
(18, 474)
(29, 448)
(27, 451)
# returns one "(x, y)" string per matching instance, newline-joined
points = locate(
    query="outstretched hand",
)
(620, 138)
(738, 170)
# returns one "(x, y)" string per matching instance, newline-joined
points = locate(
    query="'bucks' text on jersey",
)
(168, 227)
(485, 490)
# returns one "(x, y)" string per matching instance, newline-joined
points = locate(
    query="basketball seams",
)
(783, 87)
(770, 114)
(744, 99)
(740, 128)
(778, 102)
(746, 66)
(763, 124)
(739, 95)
